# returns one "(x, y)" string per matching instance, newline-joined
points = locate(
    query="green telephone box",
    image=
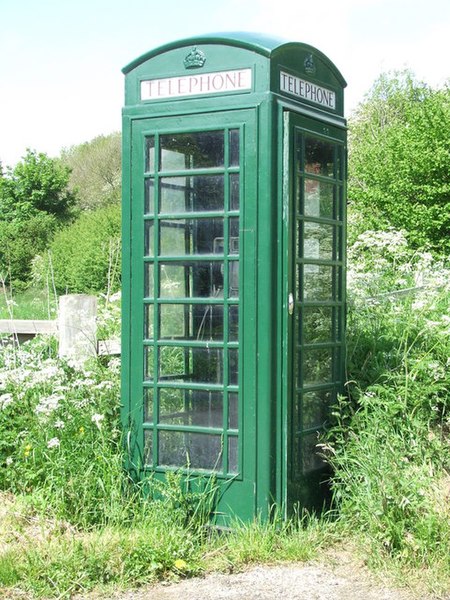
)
(234, 156)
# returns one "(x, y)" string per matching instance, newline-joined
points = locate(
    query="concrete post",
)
(77, 326)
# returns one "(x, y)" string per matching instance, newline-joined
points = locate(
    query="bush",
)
(21, 241)
(399, 162)
(34, 200)
(85, 256)
(390, 445)
(59, 432)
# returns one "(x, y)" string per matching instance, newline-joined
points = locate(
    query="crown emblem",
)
(195, 59)
(309, 65)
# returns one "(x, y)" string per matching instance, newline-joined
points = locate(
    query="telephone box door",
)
(192, 318)
(314, 240)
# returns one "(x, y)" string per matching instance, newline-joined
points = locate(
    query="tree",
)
(399, 162)
(96, 173)
(37, 184)
(34, 200)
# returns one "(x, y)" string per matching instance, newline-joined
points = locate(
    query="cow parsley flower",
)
(5, 400)
(97, 419)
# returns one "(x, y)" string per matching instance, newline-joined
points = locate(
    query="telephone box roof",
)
(256, 42)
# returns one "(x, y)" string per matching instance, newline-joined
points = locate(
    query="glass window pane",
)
(199, 365)
(191, 236)
(233, 323)
(233, 464)
(175, 196)
(148, 277)
(234, 191)
(192, 150)
(233, 366)
(148, 362)
(148, 448)
(315, 409)
(190, 450)
(234, 235)
(318, 199)
(149, 238)
(149, 200)
(201, 408)
(317, 323)
(174, 363)
(199, 193)
(191, 279)
(317, 365)
(310, 453)
(148, 321)
(234, 147)
(233, 277)
(175, 237)
(233, 414)
(191, 322)
(148, 405)
(319, 157)
(317, 283)
(317, 241)
(150, 154)
(174, 321)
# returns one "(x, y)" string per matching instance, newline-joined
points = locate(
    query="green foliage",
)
(85, 256)
(21, 241)
(59, 441)
(399, 163)
(34, 199)
(32, 303)
(96, 171)
(37, 184)
(390, 446)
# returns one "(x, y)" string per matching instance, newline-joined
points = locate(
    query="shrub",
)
(21, 241)
(85, 256)
(399, 162)
(390, 445)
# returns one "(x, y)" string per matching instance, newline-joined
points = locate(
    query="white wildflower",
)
(115, 297)
(53, 443)
(9, 461)
(97, 419)
(114, 365)
(5, 400)
(419, 305)
(59, 424)
(107, 385)
(47, 405)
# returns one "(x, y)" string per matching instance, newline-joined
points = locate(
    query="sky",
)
(61, 81)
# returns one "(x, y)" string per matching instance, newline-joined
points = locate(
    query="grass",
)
(48, 558)
(71, 521)
(32, 303)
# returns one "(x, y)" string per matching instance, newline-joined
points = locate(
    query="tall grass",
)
(390, 443)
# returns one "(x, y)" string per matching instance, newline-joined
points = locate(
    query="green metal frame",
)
(270, 345)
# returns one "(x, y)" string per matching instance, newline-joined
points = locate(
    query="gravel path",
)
(287, 582)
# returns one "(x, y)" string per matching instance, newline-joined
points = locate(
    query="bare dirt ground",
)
(333, 580)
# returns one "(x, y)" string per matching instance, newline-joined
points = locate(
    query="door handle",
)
(291, 303)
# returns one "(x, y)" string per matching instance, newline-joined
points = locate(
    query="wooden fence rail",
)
(75, 327)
